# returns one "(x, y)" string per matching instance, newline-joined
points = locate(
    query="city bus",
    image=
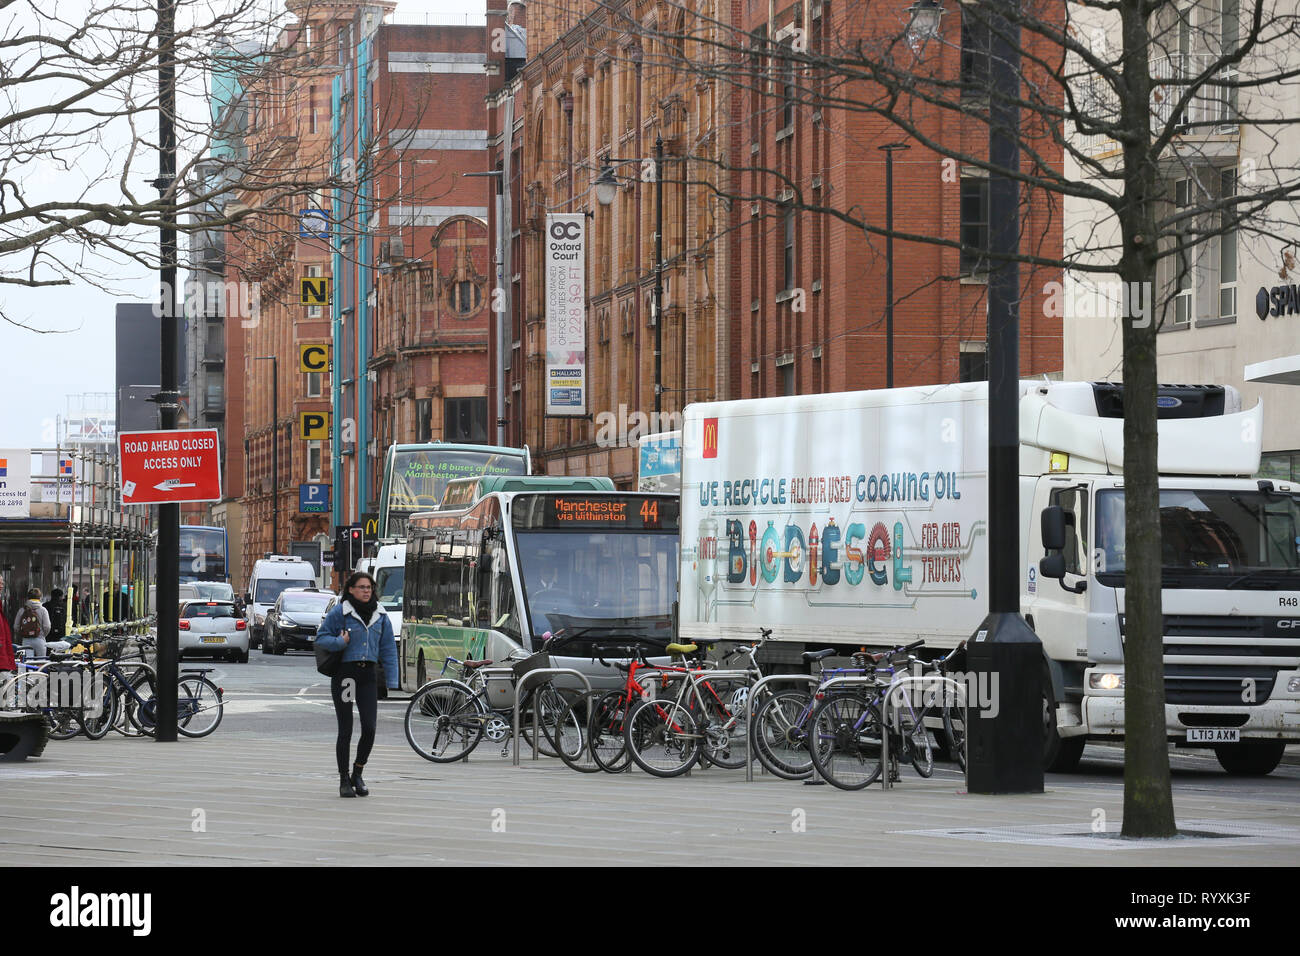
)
(498, 576)
(415, 477)
(204, 554)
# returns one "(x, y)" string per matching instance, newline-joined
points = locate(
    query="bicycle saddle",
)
(810, 656)
(475, 665)
(682, 648)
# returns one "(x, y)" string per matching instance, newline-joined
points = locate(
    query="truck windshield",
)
(1210, 538)
(599, 583)
(268, 589)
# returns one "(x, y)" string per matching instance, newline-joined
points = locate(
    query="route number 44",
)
(650, 512)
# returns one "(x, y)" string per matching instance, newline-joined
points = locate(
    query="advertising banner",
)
(566, 314)
(15, 482)
(824, 516)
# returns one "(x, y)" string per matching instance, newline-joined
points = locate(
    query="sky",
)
(73, 351)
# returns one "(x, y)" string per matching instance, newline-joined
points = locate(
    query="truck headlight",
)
(1106, 681)
(1293, 685)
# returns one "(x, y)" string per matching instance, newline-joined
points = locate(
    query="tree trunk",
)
(1148, 798)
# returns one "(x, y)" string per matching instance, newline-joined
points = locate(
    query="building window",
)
(313, 384)
(973, 362)
(1227, 243)
(974, 224)
(423, 419)
(1182, 259)
(788, 92)
(314, 460)
(465, 420)
(465, 298)
(789, 248)
(787, 378)
(975, 42)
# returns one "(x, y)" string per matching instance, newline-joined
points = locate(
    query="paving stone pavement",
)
(271, 801)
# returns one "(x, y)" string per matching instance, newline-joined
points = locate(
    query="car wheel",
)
(265, 648)
(279, 646)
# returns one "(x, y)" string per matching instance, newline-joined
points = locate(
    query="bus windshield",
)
(620, 582)
(418, 477)
(1216, 538)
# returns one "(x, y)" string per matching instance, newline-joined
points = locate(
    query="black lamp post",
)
(890, 149)
(275, 447)
(606, 186)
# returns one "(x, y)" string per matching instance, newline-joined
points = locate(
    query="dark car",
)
(295, 619)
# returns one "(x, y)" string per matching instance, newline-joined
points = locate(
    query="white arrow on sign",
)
(171, 483)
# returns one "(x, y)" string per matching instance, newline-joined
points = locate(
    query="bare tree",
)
(1119, 100)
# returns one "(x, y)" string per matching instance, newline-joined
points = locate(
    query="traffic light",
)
(356, 547)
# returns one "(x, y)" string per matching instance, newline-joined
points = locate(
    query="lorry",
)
(860, 519)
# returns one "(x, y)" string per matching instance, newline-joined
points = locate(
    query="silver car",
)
(212, 628)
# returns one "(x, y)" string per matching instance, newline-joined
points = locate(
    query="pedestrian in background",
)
(6, 641)
(360, 628)
(32, 624)
(57, 609)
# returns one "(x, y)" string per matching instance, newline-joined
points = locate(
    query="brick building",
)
(387, 117)
(763, 295)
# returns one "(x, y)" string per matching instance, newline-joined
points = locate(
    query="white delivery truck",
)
(860, 518)
(270, 576)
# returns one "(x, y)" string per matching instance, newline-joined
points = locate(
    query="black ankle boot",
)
(345, 786)
(358, 784)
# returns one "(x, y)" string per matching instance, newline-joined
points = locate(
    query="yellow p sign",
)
(314, 426)
(313, 358)
(316, 290)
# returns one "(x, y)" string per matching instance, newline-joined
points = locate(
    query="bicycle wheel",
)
(663, 737)
(723, 723)
(779, 728)
(97, 724)
(141, 710)
(549, 707)
(198, 706)
(607, 733)
(445, 721)
(573, 748)
(954, 728)
(31, 692)
(844, 741)
(916, 739)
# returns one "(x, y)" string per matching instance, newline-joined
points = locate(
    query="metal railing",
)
(889, 704)
(749, 713)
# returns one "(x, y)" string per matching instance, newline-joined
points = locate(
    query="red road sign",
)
(167, 467)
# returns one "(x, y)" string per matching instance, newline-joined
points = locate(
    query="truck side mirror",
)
(1052, 566)
(1053, 526)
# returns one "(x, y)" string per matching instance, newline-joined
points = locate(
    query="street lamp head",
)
(606, 185)
(923, 23)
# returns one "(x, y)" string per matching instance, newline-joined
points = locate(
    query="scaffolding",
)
(80, 536)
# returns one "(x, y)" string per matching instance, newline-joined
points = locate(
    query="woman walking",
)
(359, 627)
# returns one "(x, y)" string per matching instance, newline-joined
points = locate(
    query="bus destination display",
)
(588, 512)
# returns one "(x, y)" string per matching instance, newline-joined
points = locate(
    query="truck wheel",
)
(1250, 758)
(1060, 754)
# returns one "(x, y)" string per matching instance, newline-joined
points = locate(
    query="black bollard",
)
(1004, 732)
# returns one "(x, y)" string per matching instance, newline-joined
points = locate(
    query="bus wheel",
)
(419, 671)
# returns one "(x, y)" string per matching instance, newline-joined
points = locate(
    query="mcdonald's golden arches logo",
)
(710, 438)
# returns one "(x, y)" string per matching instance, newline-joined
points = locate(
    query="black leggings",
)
(364, 689)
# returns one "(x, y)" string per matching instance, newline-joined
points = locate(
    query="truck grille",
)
(1192, 642)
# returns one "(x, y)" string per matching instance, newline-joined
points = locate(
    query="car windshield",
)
(209, 610)
(1211, 538)
(306, 603)
(268, 589)
(612, 582)
(389, 582)
(214, 590)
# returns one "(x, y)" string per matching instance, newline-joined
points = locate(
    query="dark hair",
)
(354, 578)
(33, 594)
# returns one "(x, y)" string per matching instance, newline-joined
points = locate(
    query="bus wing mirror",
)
(1053, 527)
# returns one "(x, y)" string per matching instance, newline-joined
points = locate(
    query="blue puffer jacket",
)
(367, 640)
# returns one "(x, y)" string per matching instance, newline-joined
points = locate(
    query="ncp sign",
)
(169, 466)
(566, 314)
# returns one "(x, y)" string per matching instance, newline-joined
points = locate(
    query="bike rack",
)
(749, 713)
(891, 707)
(522, 683)
(884, 742)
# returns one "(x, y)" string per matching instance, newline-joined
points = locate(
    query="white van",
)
(271, 575)
(388, 568)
